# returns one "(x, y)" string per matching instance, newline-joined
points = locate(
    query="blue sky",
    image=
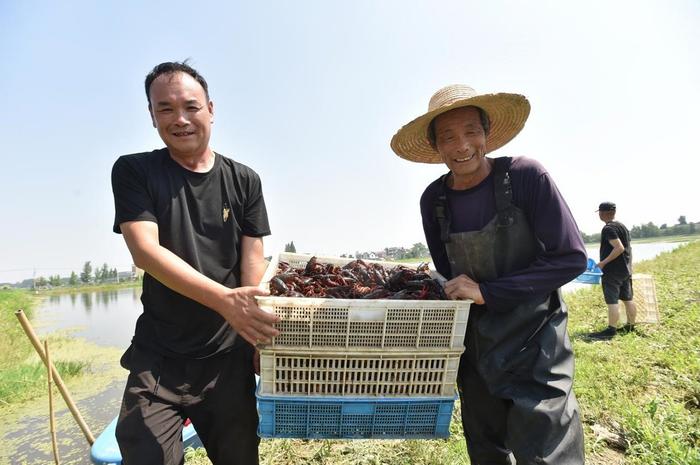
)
(309, 93)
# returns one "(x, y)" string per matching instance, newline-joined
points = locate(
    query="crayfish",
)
(355, 280)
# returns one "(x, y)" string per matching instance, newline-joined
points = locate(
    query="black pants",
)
(493, 426)
(530, 410)
(217, 394)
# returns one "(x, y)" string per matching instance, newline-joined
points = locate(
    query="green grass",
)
(27, 380)
(676, 238)
(639, 393)
(11, 348)
(646, 240)
(645, 388)
(415, 260)
(22, 375)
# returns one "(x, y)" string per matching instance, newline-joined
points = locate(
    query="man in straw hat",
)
(499, 229)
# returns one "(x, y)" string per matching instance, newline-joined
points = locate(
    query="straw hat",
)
(507, 114)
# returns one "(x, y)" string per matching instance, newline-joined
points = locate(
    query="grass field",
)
(22, 374)
(647, 240)
(639, 393)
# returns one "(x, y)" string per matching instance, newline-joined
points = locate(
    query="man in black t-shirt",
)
(193, 220)
(616, 263)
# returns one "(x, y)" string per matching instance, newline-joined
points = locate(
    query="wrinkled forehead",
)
(463, 116)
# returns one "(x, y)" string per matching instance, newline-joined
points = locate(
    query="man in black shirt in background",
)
(616, 263)
(193, 220)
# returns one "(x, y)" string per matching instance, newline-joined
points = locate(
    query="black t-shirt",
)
(622, 265)
(201, 218)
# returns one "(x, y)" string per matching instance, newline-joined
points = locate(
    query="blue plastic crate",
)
(314, 417)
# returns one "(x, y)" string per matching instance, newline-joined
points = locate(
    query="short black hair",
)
(483, 117)
(170, 67)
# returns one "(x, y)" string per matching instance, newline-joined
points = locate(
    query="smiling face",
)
(182, 114)
(461, 142)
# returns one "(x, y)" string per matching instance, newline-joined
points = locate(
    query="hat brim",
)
(507, 114)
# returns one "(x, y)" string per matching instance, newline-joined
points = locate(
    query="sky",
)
(309, 94)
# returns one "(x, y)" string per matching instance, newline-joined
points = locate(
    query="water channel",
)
(107, 319)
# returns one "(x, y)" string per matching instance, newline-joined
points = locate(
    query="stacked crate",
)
(644, 292)
(355, 368)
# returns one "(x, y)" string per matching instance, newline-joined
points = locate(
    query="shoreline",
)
(82, 289)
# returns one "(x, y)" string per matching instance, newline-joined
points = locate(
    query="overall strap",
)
(503, 192)
(505, 213)
(442, 211)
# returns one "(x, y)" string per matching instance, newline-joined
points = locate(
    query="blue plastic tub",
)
(592, 266)
(589, 277)
(314, 417)
(105, 450)
(592, 274)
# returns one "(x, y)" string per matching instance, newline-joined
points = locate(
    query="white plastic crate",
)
(644, 296)
(363, 324)
(358, 374)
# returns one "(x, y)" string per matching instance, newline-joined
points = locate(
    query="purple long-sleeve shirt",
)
(561, 257)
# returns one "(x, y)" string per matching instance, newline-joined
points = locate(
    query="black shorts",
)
(617, 288)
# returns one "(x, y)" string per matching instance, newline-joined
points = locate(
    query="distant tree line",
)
(100, 275)
(683, 228)
(417, 250)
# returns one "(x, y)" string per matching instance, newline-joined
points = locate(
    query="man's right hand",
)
(243, 314)
(236, 305)
(463, 287)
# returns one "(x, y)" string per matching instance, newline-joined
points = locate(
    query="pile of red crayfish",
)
(356, 280)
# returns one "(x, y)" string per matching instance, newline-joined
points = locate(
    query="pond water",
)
(107, 319)
(104, 318)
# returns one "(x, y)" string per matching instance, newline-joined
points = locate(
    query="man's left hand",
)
(463, 287)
